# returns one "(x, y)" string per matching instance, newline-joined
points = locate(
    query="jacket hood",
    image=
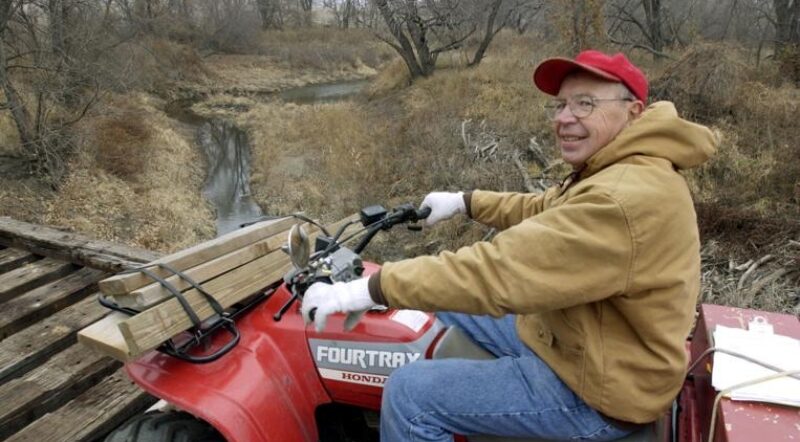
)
(659, 132)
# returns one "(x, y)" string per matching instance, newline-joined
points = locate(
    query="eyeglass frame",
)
(556, 105)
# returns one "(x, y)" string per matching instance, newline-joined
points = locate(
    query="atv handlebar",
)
(405, 213)
(423, 213)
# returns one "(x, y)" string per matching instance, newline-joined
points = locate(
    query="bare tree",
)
(348, 13)
(421, 31)
(508, 12)
(14, 103)
(787, 36)
(580, 22)
(523, 14)
(345, 11)
(305, 7)
(37, 55)
(639, 24)
(270, 13)
(490, 31)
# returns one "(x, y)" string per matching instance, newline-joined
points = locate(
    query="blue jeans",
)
(515, 395)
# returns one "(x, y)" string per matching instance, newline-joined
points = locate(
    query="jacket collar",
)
(659, 132)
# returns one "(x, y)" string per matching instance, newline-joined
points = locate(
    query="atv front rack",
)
(201, 331)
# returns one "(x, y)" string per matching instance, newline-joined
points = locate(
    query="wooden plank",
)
(76, 248)
(153, 326)
(198, 254)
(32, 275)
(36, 304)
(152, 294)
(44, 389)
(105, 337)
(13, 258)
(150, 328)
(29, 347)
(91, 415)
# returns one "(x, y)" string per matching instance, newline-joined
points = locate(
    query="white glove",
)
(345, 297)
(444, 205)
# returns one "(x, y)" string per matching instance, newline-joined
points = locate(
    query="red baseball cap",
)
(550, 73)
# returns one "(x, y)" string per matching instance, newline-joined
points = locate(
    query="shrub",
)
(755, 168)
(122, 144)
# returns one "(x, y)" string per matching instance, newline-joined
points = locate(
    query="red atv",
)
(271, 378)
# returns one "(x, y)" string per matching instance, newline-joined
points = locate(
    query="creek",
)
(324, 92)
(227, 151)
(227, 184)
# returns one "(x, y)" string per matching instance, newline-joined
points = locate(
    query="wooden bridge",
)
(51, 387)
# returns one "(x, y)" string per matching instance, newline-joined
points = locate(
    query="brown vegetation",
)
(134, 179)
(122, 143)
(142, 190)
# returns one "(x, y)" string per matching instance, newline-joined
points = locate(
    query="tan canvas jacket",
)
(603, 274)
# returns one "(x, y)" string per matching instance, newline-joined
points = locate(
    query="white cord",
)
(779, 373)
(712, 424)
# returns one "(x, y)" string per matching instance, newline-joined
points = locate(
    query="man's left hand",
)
(343, 297)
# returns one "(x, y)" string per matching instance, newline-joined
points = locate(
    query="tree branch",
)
(639, 46)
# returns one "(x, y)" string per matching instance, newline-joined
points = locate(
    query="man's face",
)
(580, 138)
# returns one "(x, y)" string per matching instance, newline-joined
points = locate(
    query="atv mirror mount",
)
(299, 248)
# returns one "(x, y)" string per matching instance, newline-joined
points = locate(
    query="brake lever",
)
(295, 296)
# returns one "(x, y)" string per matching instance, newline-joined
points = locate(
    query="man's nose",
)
(565, 115)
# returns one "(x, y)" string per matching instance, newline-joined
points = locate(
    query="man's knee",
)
(399, 383)
(410, 384)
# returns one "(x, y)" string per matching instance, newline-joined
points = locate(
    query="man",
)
(593, 283)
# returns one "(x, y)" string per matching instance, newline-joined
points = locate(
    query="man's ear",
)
(635, 110)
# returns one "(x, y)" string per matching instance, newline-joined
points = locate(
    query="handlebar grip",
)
(423, 213)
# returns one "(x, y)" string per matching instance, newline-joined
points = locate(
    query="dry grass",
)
(703, 82)
(758, 124)
(9, 140)
(293, 58)
(497, 93)
(151, 64)
(393, 76)
(331, 159)
(156, 205)
(748, 200)
(763, 282)
(324, 48)
(123, 144)
(24, 199)
(316, 158)
(254, 74)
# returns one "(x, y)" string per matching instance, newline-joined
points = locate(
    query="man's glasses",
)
(581, 106)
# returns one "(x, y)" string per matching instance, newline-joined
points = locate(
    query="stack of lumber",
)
(230, 268)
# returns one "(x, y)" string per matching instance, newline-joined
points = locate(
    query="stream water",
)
(227, 184)
(227, 151)
(322, 93)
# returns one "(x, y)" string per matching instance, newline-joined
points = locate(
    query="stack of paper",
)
(777, 350)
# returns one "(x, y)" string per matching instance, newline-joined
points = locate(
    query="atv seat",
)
(456, 344)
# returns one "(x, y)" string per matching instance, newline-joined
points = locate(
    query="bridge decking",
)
(52, 388)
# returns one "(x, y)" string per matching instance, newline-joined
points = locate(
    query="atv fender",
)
(265, 389)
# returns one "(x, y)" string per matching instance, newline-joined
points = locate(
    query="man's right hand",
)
(443, 205)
